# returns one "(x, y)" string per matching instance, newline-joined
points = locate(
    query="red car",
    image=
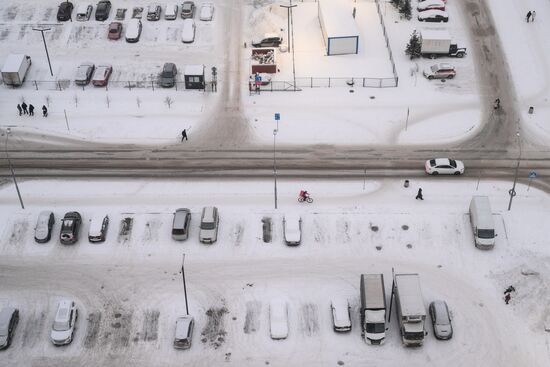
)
(115, 31)
(101, 75)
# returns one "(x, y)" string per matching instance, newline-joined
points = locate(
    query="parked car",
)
(184, 332)
(444, 166)
(441, 320)
(188, 31)
(64, 11)
(101, 75)
(168, 75)
(292, 229)
(102, 10)
(153, 12)
(115, 31)
(9, 317)
(341, 320)
(209, 225)
(278, 319)
(64, 323)
(269, 40)
(84, 73)
(440, 71)
(433, 15)
(171, 12)
(44, 225)
(187, 9)
(206, 12)
(430, 4)
(70, 226)
(133, 30)
(180, 225)
(98, 228)
(83, 12)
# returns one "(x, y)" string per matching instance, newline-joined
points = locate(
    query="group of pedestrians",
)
(530, 17)
(25, 109)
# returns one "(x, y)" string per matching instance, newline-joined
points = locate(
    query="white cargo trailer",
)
(340, 33)
(373, 308)
(410, 309)
(15, 69)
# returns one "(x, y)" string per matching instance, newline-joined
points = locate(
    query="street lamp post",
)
(512, 191)
(42, 30)
(8, 131)
(275, 167)
(291, 38)
(184, 287)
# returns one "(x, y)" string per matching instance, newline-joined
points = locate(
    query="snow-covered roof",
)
(410, 294)
(13, 62)
(337, 18)
(435, 33)
(194, 70)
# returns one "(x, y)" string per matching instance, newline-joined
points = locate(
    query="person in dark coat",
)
(184, 135)
(19, 109)
(507, 298)
(24, 107)
(44, 111)
(528, 16)
(31, 110)
(419, 195)
(510, 289)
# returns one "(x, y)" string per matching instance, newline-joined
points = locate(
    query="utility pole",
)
(290, 36)
(8, 131)
(275, 167)
(512, 191)
(184, 287)
(42, 30)
(288, 15)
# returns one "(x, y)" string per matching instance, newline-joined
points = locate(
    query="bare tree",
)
(138, 101)
(108, 100)
(75, 98)
(168, 101)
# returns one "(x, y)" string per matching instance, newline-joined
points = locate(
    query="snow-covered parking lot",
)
(130, 292)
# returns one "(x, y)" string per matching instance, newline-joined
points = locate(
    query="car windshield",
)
(167, 73)
(452, 162)
(486, 233)
(207, 225)
(114, 29)
(375, 328)
(415, 336)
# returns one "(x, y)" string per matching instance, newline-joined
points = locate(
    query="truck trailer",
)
(410, 309)
(373, 308)
(438, 42)
(15, 69)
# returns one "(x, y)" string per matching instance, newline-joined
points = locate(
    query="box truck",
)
(481, 219)
(15, 69)
(410, 309)
(438, 42)
(373, 308)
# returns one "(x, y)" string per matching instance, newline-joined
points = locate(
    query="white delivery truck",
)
(481, 218)
(373, 308)
(410, 309)
(15, 69)
(438, 42)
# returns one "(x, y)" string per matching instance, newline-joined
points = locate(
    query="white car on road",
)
(444, 166)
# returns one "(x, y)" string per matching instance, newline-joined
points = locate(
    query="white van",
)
(481, 218)
(209, 225)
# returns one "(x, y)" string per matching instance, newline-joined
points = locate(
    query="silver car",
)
(84, 73)
(441, 320)
(187, 9)
(180, 225)
(209, 225)
(184, 332)
(9, 317)
(64, 323)
(44, 224)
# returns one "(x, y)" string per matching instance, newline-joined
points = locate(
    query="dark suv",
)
(168, 75)
(102, 10)
(65, 10)
(268, 41)
(70, 227)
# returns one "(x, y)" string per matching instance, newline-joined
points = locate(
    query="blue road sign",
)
(532, 174)
(277, 116)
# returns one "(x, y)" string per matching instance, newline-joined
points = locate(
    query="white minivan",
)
(483, 226)
(133, 30)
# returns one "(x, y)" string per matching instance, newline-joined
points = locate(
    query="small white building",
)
(340, 33)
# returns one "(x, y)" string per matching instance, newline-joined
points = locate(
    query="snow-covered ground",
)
(130, 292)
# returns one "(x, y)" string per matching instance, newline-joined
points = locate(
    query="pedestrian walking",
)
(184, 135)
(507, 298)
(528, 16)
(419, 195)
(44, 111)
(533, 14)
(24, 107)
(19, 109)
(509, 289)
(31, 110)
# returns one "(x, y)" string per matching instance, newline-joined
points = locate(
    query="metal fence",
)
(387, 41)
(65, 84)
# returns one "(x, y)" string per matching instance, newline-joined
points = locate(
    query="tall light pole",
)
(290, 26)
(512, 191)
(275, 167)
(8, 131)
(184, 287)
(42, 30)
